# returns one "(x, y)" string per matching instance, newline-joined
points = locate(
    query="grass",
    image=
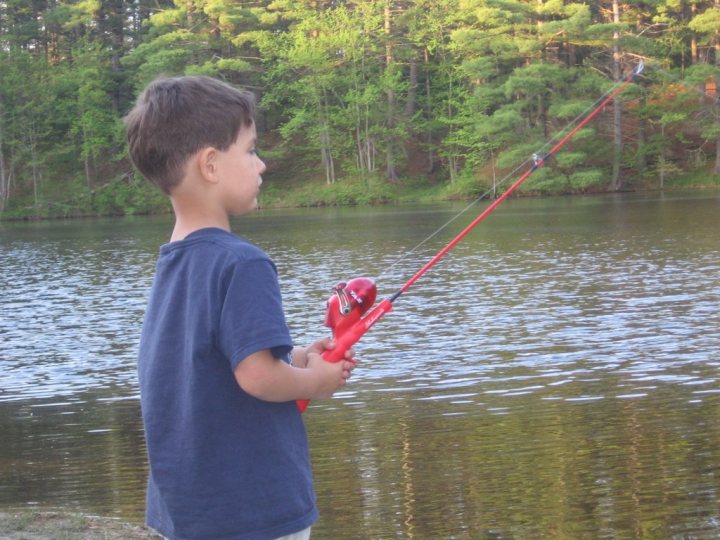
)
(696, 180)
(376, 191)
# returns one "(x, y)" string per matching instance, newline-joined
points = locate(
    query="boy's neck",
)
(189, 220)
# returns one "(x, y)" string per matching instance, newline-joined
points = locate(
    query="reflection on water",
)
(84, 453)
(556, 376)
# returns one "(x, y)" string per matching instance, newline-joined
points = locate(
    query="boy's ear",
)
(206, 161)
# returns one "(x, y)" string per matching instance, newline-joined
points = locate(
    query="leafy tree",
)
(94, 123)
(707, 114)
(26, 114)
(453, 89)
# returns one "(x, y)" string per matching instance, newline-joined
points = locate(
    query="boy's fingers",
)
(348, 367)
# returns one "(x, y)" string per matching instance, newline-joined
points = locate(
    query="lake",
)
(557, 375)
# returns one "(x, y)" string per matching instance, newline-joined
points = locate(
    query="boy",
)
(218, 372)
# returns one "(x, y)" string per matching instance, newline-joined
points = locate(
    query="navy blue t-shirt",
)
(223, 464)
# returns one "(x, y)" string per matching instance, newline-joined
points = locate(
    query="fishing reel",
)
(344, 316)
(348, 303)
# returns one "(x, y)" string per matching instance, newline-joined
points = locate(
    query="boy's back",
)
(231, 462)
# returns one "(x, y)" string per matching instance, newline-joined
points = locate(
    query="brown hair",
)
(175, 117)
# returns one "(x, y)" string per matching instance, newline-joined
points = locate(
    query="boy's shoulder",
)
(217, 241)
(207, 257)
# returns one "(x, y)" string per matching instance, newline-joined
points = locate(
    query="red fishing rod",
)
(350, 300)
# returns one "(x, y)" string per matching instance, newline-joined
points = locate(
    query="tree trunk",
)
(453, 168)
(86, 152)
(117, 40)
(571, 54)
(494, 174)
(452, 158)
(694, 54)
(411, 103)
(661, 158)
(428, 113)
(542, 116)
(369, 145)
(35, 175)
(364, 147)
(391, 172)
(4, 191)
(325, 148)
(716, 104)
(642, 142)
(616, 184)
(360, 160)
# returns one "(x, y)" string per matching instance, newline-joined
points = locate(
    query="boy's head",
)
(175, 117)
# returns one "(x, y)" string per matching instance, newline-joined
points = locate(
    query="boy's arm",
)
(265, 377)
(299, 356)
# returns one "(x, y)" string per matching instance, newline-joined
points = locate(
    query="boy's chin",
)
(242, 211)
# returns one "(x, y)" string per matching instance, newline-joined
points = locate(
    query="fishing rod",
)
(352, 299)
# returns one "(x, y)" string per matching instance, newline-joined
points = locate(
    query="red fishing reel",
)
(349, 302)
(344, 316)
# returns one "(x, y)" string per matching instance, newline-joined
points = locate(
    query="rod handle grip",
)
(342, 344)
(351, 336)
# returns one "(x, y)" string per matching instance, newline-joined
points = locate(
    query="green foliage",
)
(354, 192)
(468, 186)
(117, 198)
(123, 196)
(706, 22)
(697, 179)
(361, 94)
(583, 180)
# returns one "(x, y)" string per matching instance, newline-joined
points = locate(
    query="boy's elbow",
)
(249, 386)
(251, 383)
(255, 376)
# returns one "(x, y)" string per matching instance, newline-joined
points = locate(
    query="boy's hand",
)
(332, 375)
(299, 354)
(322, 345)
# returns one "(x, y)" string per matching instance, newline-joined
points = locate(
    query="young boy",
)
(218, 372)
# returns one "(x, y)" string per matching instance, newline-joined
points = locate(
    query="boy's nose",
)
(261, 166)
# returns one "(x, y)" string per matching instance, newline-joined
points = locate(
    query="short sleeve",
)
(252, 317)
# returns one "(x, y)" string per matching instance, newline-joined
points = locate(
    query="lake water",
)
(557, 375)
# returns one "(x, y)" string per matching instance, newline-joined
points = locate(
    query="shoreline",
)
(39, 524)
(400, 197)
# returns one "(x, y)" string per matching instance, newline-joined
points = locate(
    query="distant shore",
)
(148, 201)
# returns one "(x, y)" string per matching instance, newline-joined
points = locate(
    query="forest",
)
(363, 99)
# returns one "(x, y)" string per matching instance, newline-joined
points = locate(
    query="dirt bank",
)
(37, 525)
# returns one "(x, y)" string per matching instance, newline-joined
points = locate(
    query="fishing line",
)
(540, 152)
(347, 309)
(637, 73)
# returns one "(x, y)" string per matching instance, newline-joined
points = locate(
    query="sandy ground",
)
(36, 525)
